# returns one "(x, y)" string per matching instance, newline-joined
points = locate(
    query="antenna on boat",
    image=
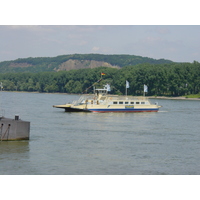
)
(92, 85)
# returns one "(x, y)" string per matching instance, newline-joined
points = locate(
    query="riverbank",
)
(173, 98)
(150, 97)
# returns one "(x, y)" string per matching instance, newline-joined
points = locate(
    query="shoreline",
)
(150, 97)
(174, 98)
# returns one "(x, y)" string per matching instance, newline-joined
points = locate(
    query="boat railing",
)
(82, 99)
(132, 98)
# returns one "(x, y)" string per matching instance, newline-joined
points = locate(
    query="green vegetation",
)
(50, 64)
(193, 96)
(173, 79)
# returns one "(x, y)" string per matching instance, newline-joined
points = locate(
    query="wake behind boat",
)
(101, 101)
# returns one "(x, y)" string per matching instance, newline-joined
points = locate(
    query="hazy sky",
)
(103, 34)
(177, 43)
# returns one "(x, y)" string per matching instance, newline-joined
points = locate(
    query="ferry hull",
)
(72, 109)
(105, 111)
(123, 110)
(128, 109)
(75, 110)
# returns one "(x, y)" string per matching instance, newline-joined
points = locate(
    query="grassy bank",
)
(193, 96)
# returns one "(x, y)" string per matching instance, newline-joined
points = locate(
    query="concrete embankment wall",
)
(14, 129)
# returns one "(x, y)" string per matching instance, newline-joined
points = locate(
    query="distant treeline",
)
(174, 79)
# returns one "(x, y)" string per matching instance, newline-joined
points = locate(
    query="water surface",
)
(167, 142)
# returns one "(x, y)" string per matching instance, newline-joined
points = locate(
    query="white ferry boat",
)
(101, 101)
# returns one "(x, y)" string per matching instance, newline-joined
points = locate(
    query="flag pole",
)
(127, 86)
(145, 89)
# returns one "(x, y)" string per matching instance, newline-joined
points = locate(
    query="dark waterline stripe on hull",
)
(139, 110)
(110, 110)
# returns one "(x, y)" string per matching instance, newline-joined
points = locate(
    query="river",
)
(163, 143)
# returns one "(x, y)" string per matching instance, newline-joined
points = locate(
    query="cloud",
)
(163, 30)
(95, 49)
(152, 40)
(83, 43)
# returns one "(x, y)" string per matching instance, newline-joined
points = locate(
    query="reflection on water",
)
(13, 156)
(14, 147)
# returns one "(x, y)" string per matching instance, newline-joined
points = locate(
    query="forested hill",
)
(74, 61)
(174, 79)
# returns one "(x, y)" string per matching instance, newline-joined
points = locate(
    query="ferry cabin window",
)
(142, 102)
(132, 102)
(114, 102)
(121, 102)
(126, 102)
(137, 102)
